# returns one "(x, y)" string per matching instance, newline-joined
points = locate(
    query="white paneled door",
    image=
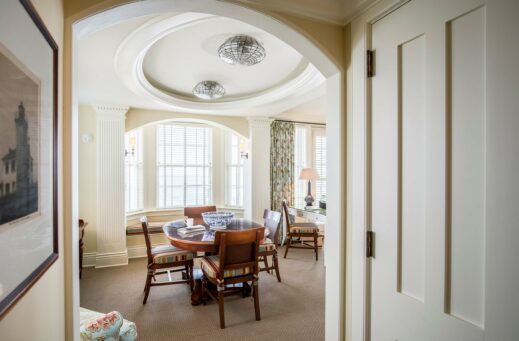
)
(427, 172)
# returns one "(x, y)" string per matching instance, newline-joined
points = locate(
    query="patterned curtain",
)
(281, 163)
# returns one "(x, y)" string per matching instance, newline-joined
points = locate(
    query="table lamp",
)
(309, 174)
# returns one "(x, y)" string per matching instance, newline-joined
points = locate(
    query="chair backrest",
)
(195, 212)
(285, 212)
(272, 220)
(145, 231)
(239, 249)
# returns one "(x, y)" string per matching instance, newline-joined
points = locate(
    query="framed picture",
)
(28, 150)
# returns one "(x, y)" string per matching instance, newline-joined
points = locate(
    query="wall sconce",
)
(87, 138)
(132, 142)
(244, 149)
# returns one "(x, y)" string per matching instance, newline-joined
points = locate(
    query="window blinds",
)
(184, 164)
(319, 142)
(234, 171)
(133, 171)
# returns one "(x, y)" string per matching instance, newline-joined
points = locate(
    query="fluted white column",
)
(258, 193)
(111, 220)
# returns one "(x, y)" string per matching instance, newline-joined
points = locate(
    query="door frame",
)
(77, 24)
(358, 276)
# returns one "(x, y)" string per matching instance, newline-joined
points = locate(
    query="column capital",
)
(112, 111)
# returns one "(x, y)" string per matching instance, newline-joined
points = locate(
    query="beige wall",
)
(138, 117)
(40, 314)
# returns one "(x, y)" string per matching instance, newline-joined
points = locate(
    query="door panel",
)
(427, 176)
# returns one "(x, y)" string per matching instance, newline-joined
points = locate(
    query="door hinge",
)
(369, 244)
(369, 63)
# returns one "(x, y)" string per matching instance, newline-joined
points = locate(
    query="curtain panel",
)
(281, 163)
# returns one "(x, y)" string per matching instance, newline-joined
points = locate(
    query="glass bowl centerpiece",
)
(218, 218)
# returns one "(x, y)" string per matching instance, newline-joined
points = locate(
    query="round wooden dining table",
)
(202, 242)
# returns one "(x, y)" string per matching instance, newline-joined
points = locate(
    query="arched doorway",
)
(104, 14)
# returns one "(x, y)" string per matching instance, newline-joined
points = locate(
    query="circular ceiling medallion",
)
(164, 57)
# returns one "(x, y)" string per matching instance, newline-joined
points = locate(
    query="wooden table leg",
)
(198, 295)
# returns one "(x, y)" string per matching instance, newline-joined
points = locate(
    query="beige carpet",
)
(290, 310)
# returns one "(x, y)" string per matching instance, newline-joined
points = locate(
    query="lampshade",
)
(308, 174)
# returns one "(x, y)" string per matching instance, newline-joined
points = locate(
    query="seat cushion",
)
(104, 327)
(163, 254)
(127, 332)
(267, 245)
(304, 228)
(211, 267)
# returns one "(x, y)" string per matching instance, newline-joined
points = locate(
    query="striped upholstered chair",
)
(168, 259)
(268, 246)
(296, 231)
(236, 262)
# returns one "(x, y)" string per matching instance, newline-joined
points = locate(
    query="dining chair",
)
(236, 262)
(268, 246)
(167, 258)
(300, 230)
(195, 212)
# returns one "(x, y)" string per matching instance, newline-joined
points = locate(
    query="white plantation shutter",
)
(184, 164)
(133, 171)
(233, 171)
(299, 163)
(319, 143)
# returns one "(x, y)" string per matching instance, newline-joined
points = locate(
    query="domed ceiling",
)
(155, 61)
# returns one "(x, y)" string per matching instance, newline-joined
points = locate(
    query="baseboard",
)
(104, 260)
(136, 251)
(89, 259)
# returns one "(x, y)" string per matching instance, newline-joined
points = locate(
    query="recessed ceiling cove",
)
(164, 58)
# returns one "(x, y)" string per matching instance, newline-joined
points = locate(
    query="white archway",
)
(336, 194)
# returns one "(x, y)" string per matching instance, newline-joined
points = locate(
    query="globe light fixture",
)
(243, 50)
(208, 90)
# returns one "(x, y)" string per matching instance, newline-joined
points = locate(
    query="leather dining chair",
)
(268, 246)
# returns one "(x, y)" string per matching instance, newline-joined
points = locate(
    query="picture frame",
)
(28, 150)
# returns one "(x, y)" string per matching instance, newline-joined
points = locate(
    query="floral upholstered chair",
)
(105, 327)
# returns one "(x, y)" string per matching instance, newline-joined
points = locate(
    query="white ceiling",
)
(180, 60)
(185, 55)
(334, 11)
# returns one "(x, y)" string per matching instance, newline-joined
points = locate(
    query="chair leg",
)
(316, 248)
(265, 261)
(289, 242)
(276, 266)
(256, 300)
(191, 278)
(147, 288)
(221, 308)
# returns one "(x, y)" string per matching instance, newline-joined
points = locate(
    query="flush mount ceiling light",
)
(243, 50)
(208, 90)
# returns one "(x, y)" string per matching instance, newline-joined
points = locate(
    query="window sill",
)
(160, 212)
